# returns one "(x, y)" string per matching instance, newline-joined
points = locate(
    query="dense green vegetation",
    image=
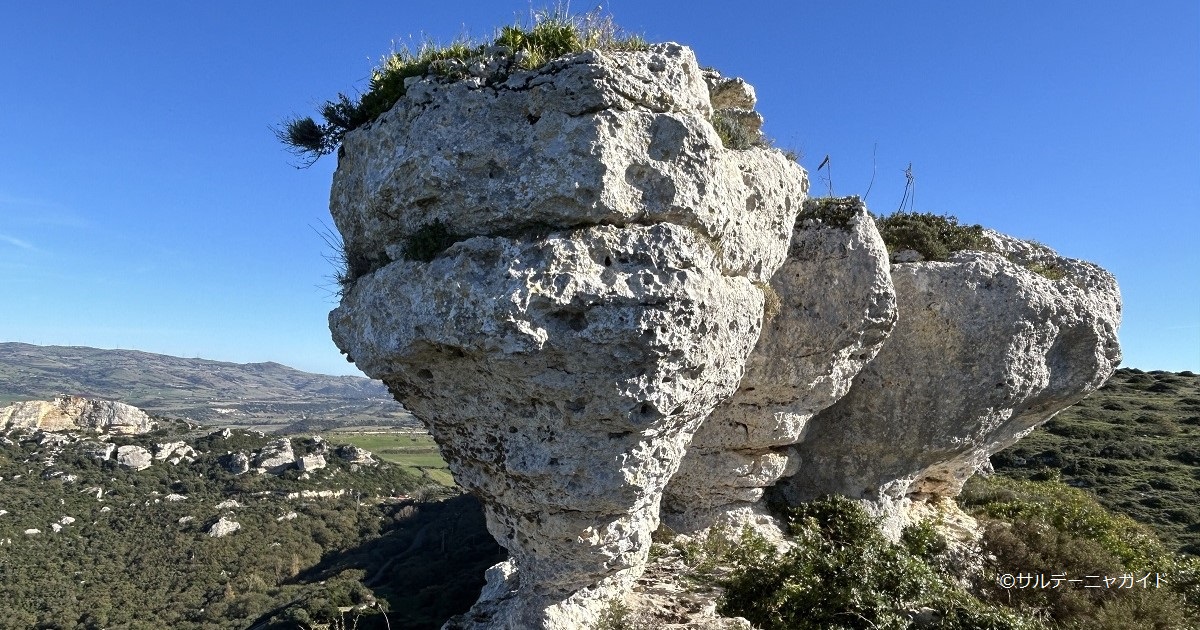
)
(1088, 569)
(842, 573)
(128, 561)
(836, 212)
(515, 47)
(1134, 444)
(1128, 578)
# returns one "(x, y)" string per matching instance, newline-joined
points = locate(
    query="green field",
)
(411, 450)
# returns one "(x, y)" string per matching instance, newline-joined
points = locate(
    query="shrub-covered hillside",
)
(1134, 444)
(88, 543)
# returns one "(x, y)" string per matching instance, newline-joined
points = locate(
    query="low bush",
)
(836, 212)
(1048, 529)
(843, 574)
(933, 236)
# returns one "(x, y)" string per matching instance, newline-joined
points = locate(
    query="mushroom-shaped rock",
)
(836, 306)
(988, 346)
(600, 299)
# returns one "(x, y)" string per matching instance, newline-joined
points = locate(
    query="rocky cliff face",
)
(988, 346)
(835, 307)
(67, 413)
(599, 302)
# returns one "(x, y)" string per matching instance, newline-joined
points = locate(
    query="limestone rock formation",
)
(134, 457)
(237, 463)
(355, 455)
(836, 306)
(276, 457)
(600, 299)
(223, 527)
(988, 346)
(66, 413)
(311, 462)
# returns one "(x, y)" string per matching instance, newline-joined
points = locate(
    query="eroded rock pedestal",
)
(600, 301)
(835, 308)
(988, 346)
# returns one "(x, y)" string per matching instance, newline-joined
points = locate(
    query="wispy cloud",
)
(33, 211)
(16, 242)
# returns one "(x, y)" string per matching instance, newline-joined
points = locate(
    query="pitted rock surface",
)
(985, 350)
(836, 308)
(599, 302)
(599, 138)
(65, 413)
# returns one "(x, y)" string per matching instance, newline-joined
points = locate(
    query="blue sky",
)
(144, 202)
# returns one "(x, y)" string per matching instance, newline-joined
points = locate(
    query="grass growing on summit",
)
(552, 34)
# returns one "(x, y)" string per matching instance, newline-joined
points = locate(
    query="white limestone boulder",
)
(988, 346)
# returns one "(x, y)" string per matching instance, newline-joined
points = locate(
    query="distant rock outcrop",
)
(988, 346)
(75, 413)
(275, 457)
(605, 289)
(223, 527)
(134, 457)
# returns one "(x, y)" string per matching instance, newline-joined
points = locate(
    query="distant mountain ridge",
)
(207, 391)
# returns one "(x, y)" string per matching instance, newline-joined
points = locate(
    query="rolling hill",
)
(267, 396)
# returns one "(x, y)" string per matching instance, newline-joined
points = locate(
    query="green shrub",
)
(842, 573)
(923, 540)
(1048, 528)
(836, 212)
(934, 236)
(553, 34)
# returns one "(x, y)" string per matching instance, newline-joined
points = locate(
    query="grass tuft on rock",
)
(552, 34)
